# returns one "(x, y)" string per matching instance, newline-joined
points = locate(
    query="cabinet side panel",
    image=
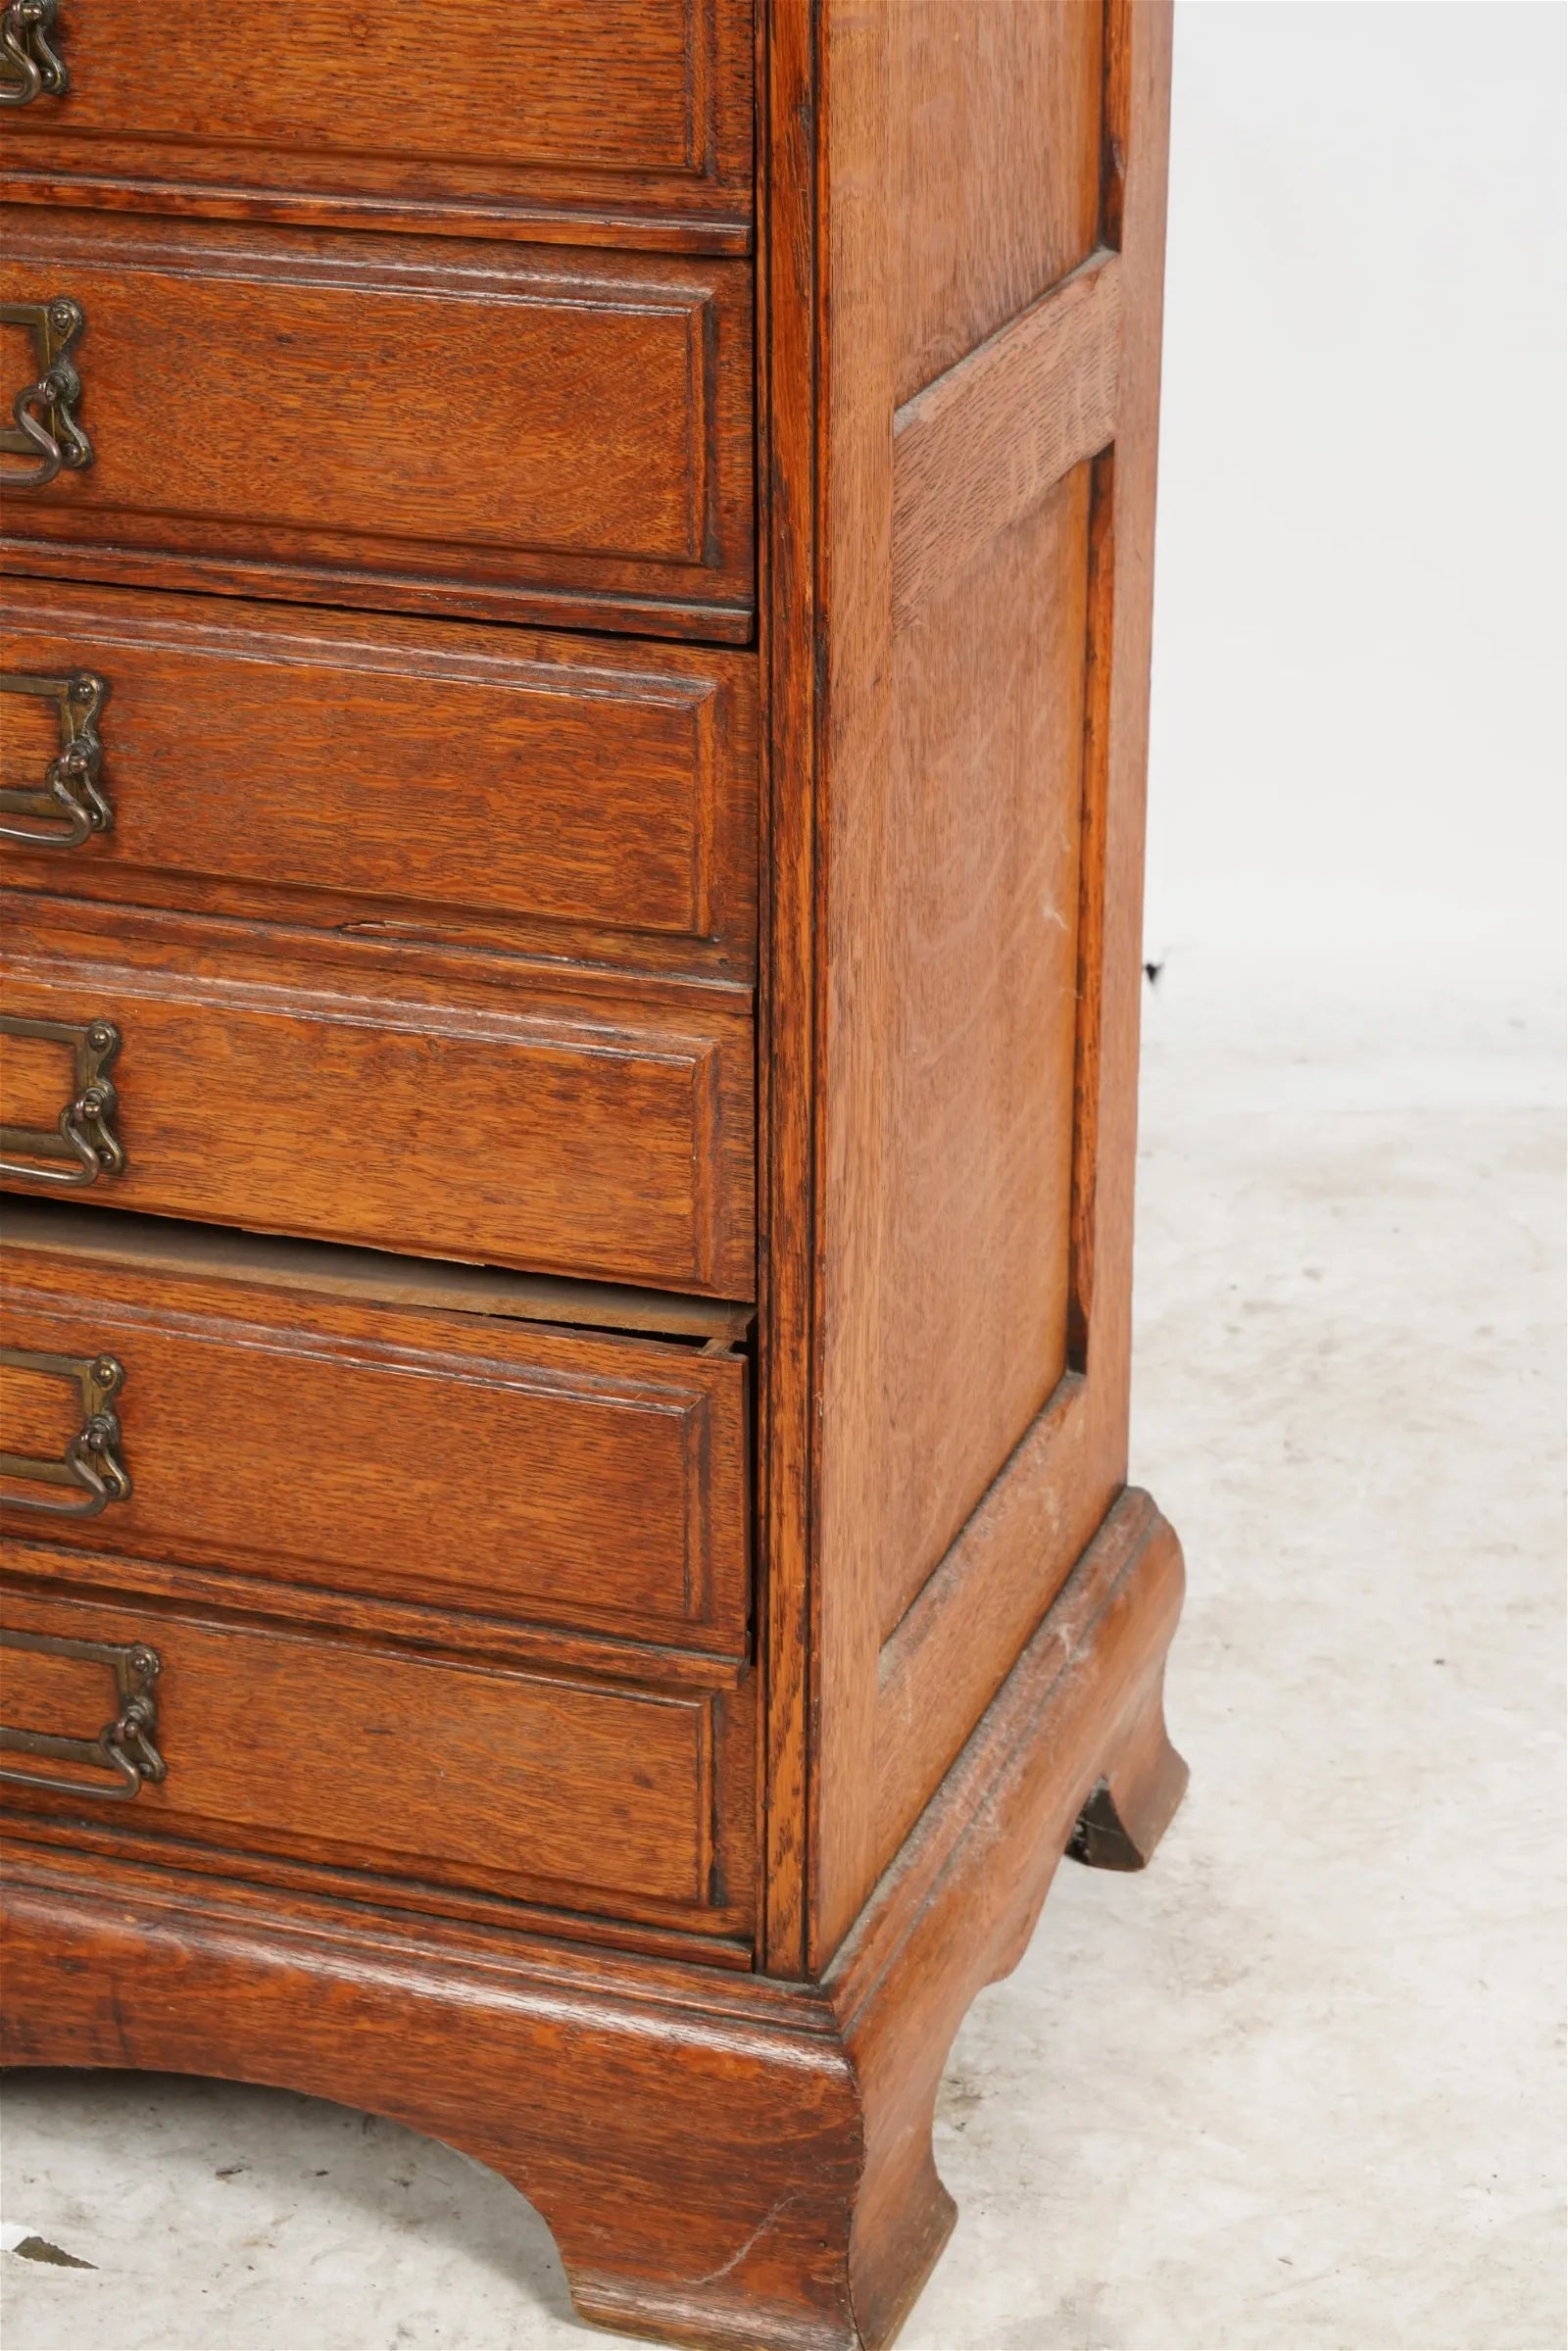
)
(949, 806)
(981, 899)
(1078, 378)
(994, 162)
(951, 962)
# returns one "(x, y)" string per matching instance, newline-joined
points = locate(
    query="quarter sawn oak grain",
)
(637, 1134)
(563, 794)
(621, 120)
(266, 1083)
(498, 430)
(568, 1477)
(391, 1764)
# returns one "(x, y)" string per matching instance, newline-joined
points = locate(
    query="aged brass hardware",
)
(91, 1462)
(70, 800)
(28, 67)
(82, 1134)
(54, 436)
(125, 1746)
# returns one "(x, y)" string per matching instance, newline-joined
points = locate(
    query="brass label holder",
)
(91, 1463)
(82, 1134)
(70, 801)
(30, 66)
(43, 423)
(126, 1747)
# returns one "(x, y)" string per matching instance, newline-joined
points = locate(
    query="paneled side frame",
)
(865, 506)
(978, 448)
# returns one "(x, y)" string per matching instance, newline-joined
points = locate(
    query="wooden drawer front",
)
(380, 1761)
(505, 109)
(321, 1438)
(465, 780)
(521, 432)
(286, 1093)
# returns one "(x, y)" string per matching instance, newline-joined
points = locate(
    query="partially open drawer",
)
(334, 1421)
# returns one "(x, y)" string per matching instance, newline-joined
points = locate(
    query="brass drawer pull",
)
(91, 1462)
(82, 1134)
(70, 799)
(54, 435)
(126, 1747)
(28, 68)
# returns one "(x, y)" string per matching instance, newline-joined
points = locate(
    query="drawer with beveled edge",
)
(603, 118)
(268, 1748)
(436, 1436)
(561, 1120)
(363, 772)
(437, 1585)
(518, 432)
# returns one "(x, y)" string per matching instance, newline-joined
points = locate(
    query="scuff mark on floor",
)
(38, 2248)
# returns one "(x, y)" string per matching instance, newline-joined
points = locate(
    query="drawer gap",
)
(709, 1325)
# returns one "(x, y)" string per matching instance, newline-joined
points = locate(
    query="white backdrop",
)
(1357, 761)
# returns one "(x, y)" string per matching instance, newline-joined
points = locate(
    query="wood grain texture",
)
(958, 1908)
(857, 953)
(973, 1615)
(633, 116)
(568, 1478)
(387, 1761)
(975, 1101)
(978, 451)
(382, 419)
(994, 164)
(454, 1111)
(1092, 878)
(788, 1134)
(564, 795)
(724, 2161)
(951, 765)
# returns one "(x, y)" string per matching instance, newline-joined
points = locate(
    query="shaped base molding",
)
(723, 2160)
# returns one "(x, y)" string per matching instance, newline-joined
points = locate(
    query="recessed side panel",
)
(996, 166)
(988, 697)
